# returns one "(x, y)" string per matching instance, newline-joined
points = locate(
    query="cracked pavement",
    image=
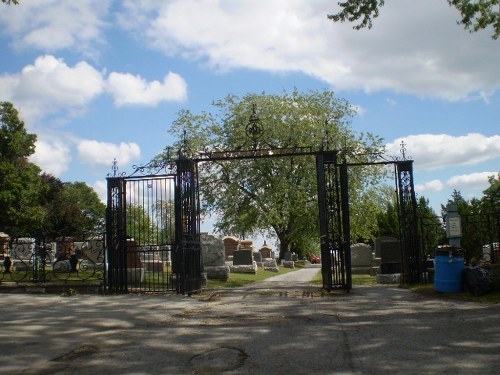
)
(281, 326)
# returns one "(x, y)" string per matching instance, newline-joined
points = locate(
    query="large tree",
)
(72, 209)
(273, 195)
(476, 14)
(21, 186)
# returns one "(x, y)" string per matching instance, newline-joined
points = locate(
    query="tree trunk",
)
(284, 244)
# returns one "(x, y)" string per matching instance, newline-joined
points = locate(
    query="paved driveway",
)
(281, 326)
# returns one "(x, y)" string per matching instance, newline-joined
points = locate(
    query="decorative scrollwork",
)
(254, 128)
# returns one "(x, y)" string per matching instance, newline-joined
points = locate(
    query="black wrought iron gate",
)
(152, 231)
(333, 203)
(411, 255)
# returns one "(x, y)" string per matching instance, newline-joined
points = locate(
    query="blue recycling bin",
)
(448, 269)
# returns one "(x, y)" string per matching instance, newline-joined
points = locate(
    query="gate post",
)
(116, 273)
(411, 260)
(187, 254)
(333, 206)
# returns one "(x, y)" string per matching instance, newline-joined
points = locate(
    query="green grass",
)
(242, 279)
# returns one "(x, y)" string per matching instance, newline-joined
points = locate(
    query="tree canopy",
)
(276, 196)
(480, 218)
(476, 15)
(35, 204)
(21, 187)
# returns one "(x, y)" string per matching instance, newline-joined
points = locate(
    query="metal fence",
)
(64, 260)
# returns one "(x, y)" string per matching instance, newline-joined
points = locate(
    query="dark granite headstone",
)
(257, 256)
(288, 256)
(243, 257)
(378, 244)
(390, 254)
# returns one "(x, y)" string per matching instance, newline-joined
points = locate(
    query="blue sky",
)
(100, 79)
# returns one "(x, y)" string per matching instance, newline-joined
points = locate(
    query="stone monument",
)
(230, 246)
(213, 257)
(361, 258)
(243, 261)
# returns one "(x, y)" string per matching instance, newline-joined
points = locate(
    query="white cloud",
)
(52, 156)
(102, 153)
(434, 185)
(49, 86)
(101, 188)
(409, 49)
(437, 151)
(360, 110)
(51, 25)
(473, 180)
(128, 89)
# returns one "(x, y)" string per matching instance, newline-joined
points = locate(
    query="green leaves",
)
(272, 194)
(476, 14)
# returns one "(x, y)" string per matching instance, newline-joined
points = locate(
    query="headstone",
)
(288, 256)
(257, 256)
(244, 268)
(230, 245)
(217, 272)
(390, 257)
(271, 265)
(378, 244)
(361, 258)
(212, 250)
(266, 252)
(243, 257)
(133, 255)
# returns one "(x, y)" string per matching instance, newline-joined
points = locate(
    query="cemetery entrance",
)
(153, 222)
(152, 230)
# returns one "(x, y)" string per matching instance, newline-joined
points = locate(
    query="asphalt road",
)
(281, 326)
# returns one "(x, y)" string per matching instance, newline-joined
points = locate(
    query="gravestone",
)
(266, 252)
(361, 258)
(213, 257)
(243, 261)
(270, 265)
(390, 257)
(257, 257)
(212, 250)
(230, 246)
(378, 244)
(288, 256)
(133, 254)
(243, 257)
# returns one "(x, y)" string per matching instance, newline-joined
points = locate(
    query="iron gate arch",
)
(180, 242)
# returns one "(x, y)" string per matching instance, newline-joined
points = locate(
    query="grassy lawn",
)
(241, 279)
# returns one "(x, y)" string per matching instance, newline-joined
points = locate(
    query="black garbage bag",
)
(477, 280)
